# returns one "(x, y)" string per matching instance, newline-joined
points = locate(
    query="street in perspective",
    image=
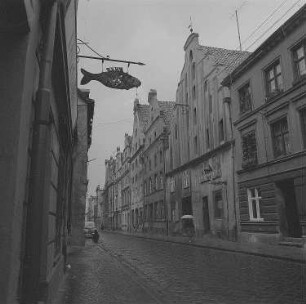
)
(153, 151)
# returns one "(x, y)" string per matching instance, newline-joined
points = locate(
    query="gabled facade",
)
(200, 160)
(141, 115)
(268, 101)
(156, 138)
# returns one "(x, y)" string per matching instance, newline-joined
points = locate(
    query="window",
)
(245, 98)
(249, 150)
(156, 182)
(150, 186)
(205, 86)
(280, 137)
(207, 139)
(221, 130)
(210, 103)
(299, 60)
(161, 180)
(172, 185)
(155, 160)
(150, 165)
(176, 131)
(303, 125)
(218, 204)
(195, 116)
(193, 92)
(195, 141)
(186, 180)
(274, 80)
(160, 156)
(190, 55)
(193, 71)
(254, 204)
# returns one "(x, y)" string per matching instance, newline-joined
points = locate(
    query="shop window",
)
(299, 59)
(249, 150)
(274, 79)
(245, 102)
(218, 204)
(254, 199)
(280, 137)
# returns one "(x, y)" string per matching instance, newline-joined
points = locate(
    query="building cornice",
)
(196, 161)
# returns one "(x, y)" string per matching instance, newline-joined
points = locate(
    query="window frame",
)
(240, 90)
(218, 212)
(301, 43)
(249, 162)
(273, 138)
(257, 199)
(278, 87)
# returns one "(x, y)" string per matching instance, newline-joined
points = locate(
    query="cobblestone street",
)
(125, 269)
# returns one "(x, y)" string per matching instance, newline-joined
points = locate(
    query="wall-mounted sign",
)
(113, 78)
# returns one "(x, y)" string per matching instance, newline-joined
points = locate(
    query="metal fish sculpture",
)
(114, 78)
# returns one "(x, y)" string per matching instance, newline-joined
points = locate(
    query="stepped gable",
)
(166, 110)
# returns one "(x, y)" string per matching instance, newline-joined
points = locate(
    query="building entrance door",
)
(186, 205)
(290, 224)
(206, 222)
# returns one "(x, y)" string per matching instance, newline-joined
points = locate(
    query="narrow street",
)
(126, 269)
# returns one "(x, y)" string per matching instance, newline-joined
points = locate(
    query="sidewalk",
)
(277, 252)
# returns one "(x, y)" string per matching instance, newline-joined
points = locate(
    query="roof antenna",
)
(190, 26)
(237, 22)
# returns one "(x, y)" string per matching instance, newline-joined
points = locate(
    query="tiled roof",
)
(166, 110)
(143, 113)
(229, 58)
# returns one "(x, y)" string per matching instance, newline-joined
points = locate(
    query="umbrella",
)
(187, 216)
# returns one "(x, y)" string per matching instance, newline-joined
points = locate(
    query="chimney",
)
(152, 96)
(136, 104)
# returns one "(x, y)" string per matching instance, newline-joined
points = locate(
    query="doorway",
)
(186, 205)
(289, 215)
(206, 221)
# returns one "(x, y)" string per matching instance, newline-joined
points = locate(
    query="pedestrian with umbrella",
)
(188, 226)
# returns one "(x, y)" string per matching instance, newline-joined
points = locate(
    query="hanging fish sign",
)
(113, 78)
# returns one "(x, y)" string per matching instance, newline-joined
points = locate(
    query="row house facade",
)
(38, 118)
(116, 193)
(200, 156)
(141, 116)
(268, 101)
(153, 161)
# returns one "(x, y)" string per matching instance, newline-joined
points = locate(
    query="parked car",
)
(89, 229)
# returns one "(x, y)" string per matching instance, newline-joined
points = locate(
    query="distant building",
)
(153, 157)
(200, 172)
(125, 181)
(82, 136)
(141, 116)
(268, 101)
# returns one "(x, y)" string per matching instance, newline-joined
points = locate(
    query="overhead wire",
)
(279, 19)
(265, 21)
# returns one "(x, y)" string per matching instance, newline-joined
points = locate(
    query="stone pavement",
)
(289, 253)
(141, 270)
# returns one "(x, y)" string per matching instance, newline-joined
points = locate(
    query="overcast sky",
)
(154, 32)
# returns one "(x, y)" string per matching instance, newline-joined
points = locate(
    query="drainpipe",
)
(37, 232)
(227, 100)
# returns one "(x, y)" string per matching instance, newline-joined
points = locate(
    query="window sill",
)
(257, 220)
(274, 95)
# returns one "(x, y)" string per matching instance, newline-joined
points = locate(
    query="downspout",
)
(36, 230)
(227, 100)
